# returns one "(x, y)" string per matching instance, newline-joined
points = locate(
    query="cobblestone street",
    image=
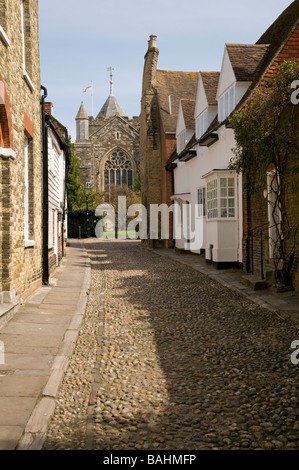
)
(168, 359)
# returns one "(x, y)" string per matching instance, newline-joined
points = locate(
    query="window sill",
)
(4, 37)
(222, 219)
(7, 153)
(28, 80)
(29, 243)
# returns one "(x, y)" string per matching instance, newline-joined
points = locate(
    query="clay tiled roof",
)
(246, 59)
(276, 36)
(271, 42)
(188, 107)
(176, 85)
(210, 82)
(281, 29)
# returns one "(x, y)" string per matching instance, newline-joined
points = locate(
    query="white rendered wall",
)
(188, 178)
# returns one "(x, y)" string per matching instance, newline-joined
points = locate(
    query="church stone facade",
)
(107, 146)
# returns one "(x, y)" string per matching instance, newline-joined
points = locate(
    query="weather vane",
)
(110, 69)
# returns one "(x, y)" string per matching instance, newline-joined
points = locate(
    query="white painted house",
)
(210, 193)
(58, 155)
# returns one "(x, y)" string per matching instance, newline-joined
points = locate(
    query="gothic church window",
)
(118, 170)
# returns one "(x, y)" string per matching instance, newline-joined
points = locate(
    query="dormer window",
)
(201, 124)
(226, 103)
(181, 141)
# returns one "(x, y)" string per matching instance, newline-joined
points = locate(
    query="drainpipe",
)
(66, 173)
(45, 195)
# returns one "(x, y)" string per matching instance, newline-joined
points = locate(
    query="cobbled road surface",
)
(168, 359)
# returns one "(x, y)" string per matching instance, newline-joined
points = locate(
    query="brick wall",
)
(21, 266)
(168, 145)
(256, 207)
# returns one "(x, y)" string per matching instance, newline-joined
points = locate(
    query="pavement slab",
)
(36, 340)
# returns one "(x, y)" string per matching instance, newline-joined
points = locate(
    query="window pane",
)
(226, 104)
(231, 203)
(223, 182)
(231, 192)
(232, 98)
(106, 176)
(124, 177)
(223, 213)
(223, 202)
(221, 110)
(223, 192)
(201, 202)
(111, 176)
(130, 179)
(231, 213)
(117, 176)
(231, 182)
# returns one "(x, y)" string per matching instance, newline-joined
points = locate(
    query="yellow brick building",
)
(20, 151)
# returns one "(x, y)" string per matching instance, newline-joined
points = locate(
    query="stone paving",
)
(169, 359)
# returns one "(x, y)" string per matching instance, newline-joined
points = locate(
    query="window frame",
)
(27, 192)
(23, 5)
(226, 103)
(51, 228)
(201, 124)
(201, 202)
(181, 141)
(3, 36)
(217, 193)
(114, 172)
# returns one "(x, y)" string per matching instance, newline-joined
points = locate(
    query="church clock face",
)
(118, 170)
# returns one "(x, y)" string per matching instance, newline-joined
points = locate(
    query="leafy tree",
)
(266, 133)
(75, 187)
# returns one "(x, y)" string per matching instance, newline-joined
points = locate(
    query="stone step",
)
(254, 283)
(268, 272)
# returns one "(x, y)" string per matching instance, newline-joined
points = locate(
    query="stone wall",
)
(104, 137)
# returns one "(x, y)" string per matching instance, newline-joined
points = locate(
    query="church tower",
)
(111, 107)
(107, 146)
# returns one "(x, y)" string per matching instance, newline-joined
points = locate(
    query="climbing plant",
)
(267, 143)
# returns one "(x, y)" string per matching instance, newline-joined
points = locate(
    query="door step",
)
(255, 283)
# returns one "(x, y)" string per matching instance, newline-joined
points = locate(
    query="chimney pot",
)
(152, 41)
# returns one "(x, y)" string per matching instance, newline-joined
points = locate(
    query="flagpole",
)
(91, 98)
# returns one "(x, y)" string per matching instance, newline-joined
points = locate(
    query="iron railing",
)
(258, 231)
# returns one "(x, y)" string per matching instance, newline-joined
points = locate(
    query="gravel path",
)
(175, 362)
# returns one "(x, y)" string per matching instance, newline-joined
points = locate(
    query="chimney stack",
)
(48, 108)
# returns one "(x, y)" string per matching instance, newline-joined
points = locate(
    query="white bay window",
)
(221, 198)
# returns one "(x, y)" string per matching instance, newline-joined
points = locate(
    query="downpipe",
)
(45, 193)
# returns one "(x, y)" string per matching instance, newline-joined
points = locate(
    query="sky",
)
(80, 40)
